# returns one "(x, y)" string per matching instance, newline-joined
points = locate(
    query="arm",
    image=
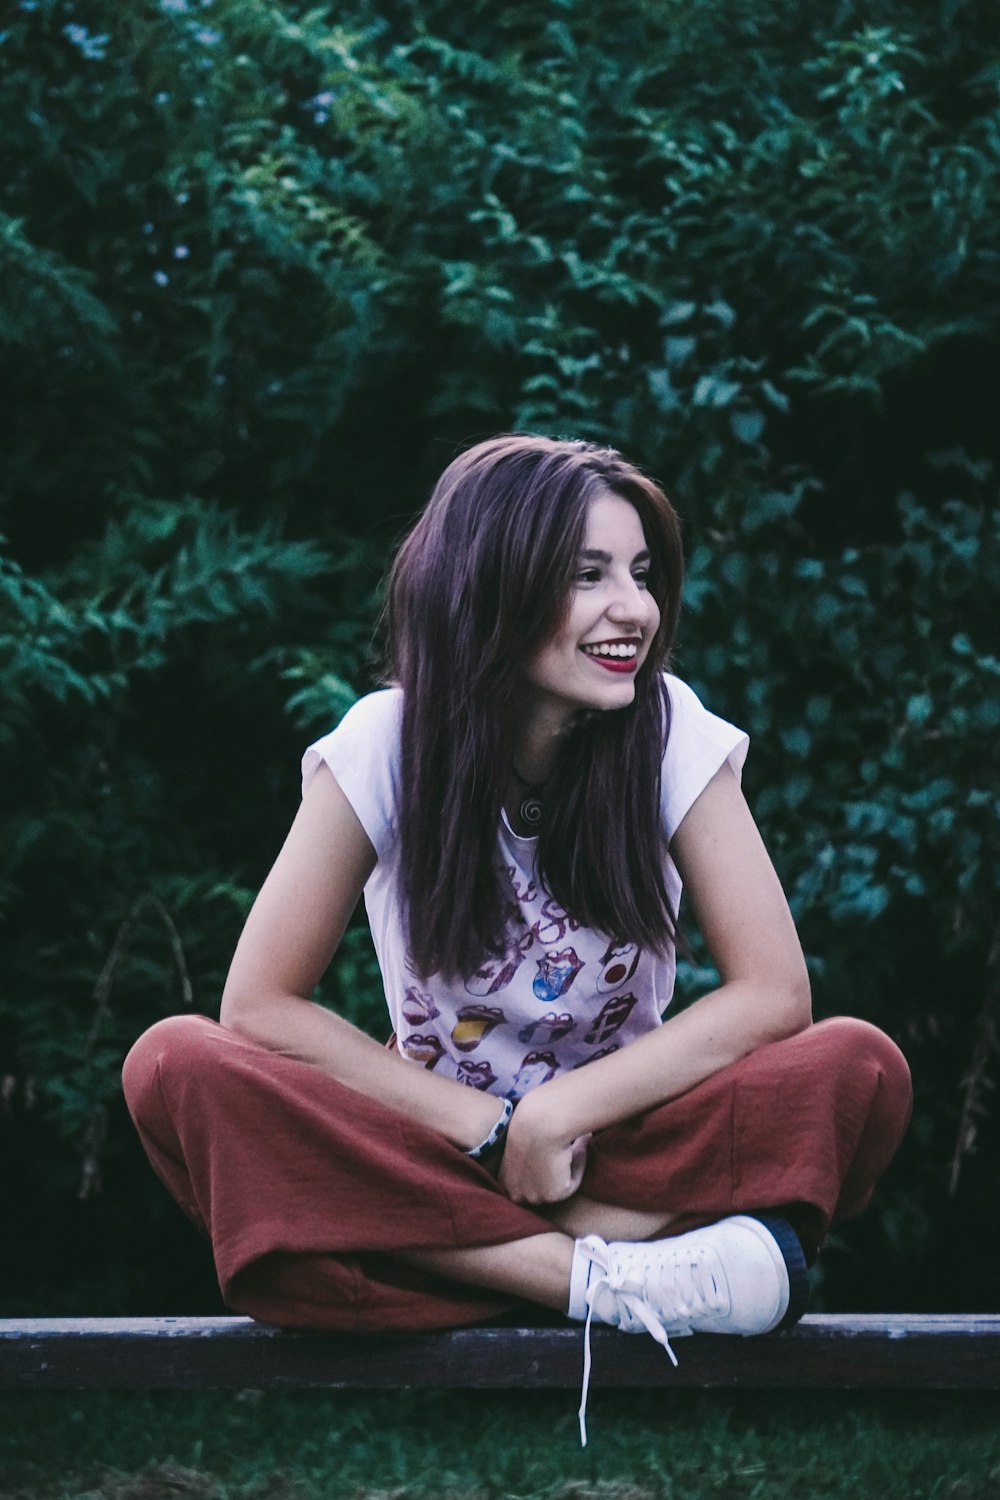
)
(764, 996)
(289, 939)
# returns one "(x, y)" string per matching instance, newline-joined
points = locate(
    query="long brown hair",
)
(479, 585)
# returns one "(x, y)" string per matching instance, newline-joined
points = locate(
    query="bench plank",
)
(892, 1351)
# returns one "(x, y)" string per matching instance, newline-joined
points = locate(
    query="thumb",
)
(578, 1160)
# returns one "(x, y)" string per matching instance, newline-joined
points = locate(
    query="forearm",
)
(301, 1029)
(717, 1030)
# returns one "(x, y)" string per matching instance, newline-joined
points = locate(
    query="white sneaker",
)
(739, 1276)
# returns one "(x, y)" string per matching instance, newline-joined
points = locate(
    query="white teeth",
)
(627, 651)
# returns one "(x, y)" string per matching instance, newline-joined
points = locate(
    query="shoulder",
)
(692, 723)
(363, 752)
(375, 719)
(699, 742)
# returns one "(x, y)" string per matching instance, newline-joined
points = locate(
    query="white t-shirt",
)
(560, 995)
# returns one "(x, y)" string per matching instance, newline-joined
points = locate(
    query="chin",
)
(616, 696)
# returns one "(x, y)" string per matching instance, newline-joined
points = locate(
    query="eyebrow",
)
(592, 554)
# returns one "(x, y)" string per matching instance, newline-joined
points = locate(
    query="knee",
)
(861, 1049)
(178, 1042)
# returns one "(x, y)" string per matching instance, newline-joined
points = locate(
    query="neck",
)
(536, 742)
(534, 759)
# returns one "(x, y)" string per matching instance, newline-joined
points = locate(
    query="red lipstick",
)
(621, 664)
(626, 664)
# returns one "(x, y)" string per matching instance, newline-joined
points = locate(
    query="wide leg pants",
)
(307, 1188)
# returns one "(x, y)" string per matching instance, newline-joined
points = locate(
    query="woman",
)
(520, 811)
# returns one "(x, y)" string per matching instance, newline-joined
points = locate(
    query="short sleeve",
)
(699, 743)
(363, 752)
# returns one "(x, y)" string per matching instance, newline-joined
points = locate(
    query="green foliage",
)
(266, 266)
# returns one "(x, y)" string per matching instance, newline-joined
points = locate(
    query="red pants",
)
(306, 1187)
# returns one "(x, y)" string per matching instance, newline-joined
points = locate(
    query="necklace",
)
(532, 806)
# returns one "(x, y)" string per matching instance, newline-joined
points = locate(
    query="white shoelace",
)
(624, 1272)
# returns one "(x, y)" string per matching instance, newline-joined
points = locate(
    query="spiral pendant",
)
(531, 811)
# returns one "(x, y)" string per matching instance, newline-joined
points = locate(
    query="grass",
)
(313, 1445)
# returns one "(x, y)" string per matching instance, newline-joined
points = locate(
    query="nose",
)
(631, 605)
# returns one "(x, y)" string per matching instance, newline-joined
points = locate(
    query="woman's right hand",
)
(539, 1165)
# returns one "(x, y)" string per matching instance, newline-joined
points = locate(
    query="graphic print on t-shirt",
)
(612, 1015)
(427, 1049)
(478, 1075)
(418, 1007)
(618, 964)
(536, 1068)
(553, 923)
(601, 1052)
(497, 970)
(496, 973)
(548, 1028)
(556, 972)
(524, 889)
(473, 1023)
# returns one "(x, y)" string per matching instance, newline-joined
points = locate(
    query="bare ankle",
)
(536, 1268)
(580, 1216)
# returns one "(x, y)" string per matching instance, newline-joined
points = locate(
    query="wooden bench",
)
(891, 1351)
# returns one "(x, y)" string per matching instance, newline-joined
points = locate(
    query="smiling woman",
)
(520, 809)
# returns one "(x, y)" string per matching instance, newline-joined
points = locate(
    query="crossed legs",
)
(326, 1209)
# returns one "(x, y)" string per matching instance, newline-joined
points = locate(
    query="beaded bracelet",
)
(489, 1151)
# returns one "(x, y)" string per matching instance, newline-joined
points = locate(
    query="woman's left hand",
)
(538, 1166)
